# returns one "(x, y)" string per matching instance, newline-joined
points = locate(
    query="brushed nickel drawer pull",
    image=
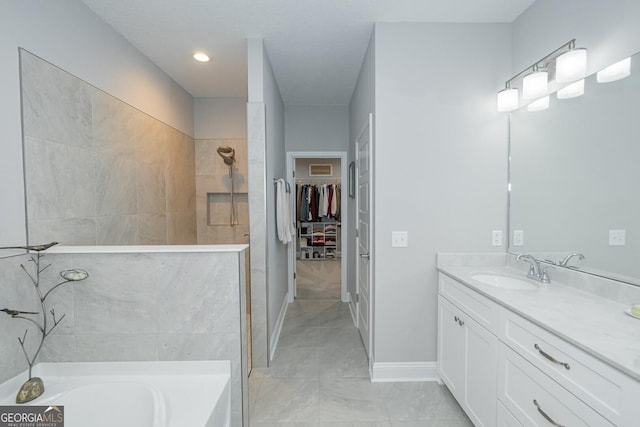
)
(551, 358)
(546, 417)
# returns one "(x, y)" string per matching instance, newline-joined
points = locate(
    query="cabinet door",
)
(481, 368)
(451, 351)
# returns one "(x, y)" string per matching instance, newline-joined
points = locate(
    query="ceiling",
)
(316, 47)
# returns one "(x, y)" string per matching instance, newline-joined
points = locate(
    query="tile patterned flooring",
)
(319, 378)
(318, 279)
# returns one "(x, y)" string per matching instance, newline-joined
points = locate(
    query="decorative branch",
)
(74, 275)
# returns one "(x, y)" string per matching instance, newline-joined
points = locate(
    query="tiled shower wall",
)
(98, 171)
(134, 307)
(213, 185)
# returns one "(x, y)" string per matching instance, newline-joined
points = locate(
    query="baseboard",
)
(404, 372)
(273, 342)
(351, 310)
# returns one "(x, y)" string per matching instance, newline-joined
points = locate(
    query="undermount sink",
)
(505, 282)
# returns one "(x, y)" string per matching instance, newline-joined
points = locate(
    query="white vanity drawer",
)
(536, 400)
(479, 308)
(506, 418)
(599, 385)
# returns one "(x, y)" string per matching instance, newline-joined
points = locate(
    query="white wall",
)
(316, 128)
(220, 118)
(69, 35)
(440, 167)
(361, 105)
(610, 29)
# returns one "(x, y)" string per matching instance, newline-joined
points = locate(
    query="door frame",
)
(368, 125)
(344, 247)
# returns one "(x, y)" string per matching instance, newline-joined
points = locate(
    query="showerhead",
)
(227, 153)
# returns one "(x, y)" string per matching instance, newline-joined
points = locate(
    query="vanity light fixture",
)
(535, 85)
(201, 57)
(572, 65)
(535, 78)
(617, 71)
(539, 105)
(572, 91)
(507, 99)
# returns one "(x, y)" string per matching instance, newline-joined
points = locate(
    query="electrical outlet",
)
(518, 237)
(399, 239)
(496, 238)
(617, 237)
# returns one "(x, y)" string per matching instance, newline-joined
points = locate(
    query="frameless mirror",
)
(575, 179)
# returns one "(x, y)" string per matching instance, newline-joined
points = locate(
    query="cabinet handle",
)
(460, 322)
(546, 417)
(551, 358)
(456, 319)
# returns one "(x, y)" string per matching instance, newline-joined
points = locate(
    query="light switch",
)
(399, 239)
(496, 238)
(617, 237)
(518, 237)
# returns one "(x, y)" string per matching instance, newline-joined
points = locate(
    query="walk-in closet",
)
(318, 237)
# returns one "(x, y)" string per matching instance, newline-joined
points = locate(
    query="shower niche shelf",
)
(219, 208)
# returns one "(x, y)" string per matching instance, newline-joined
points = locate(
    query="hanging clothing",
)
(318, 202)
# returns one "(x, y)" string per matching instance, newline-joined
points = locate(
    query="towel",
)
(283, 214)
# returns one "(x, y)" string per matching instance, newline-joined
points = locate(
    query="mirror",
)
(575, 179)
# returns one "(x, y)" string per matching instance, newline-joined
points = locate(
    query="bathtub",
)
(135, 394)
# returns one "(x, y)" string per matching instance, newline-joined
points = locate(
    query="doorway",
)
(317, 263)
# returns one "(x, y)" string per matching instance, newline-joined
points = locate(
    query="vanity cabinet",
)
(467, 352)
(505, 370)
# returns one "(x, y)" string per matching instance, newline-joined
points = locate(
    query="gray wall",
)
(316, 127)
(265, 129)
(275, 158)
(220, 118)
(135, 306)
(68, 34)
(98, 171)
(440, 167)
(362, 104)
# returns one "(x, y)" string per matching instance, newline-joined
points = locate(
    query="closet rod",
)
(322, 181)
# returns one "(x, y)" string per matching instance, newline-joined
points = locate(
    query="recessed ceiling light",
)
(201, 57)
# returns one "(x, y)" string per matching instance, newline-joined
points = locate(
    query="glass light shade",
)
(614, 72)
(539, 105)
(535, 85)
(571, 66)
(507, 100)
(572, 91)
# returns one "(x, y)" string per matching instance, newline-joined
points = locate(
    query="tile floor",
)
(319, 377)
(318, 279)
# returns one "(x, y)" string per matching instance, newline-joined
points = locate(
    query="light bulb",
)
(614, 72)
(539, 105)
(535, 85)
(571, 66)
(572, 91)
(507, 100)
(201, 57)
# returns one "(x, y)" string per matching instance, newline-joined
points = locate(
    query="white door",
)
(363, 201)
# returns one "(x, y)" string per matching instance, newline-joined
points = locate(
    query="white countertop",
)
(144, 249)
(596, 325)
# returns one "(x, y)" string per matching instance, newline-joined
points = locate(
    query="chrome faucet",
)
(565, 260)
(535, 271)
